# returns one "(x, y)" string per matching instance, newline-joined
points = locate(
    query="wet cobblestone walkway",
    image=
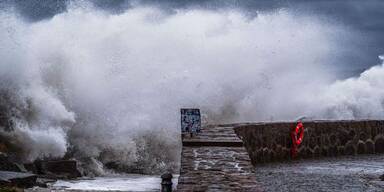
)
(215, 165)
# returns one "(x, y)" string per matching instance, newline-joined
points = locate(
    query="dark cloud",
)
(366, 14)
(35, 10)
(114, 6)
(364, 17)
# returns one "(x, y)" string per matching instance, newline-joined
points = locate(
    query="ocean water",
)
(350, 173)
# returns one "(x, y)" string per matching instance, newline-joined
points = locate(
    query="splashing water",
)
(109, 87)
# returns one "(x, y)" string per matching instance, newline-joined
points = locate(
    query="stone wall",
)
(267, 142)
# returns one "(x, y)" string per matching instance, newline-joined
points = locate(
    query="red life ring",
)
(296, 141)
(299, 129)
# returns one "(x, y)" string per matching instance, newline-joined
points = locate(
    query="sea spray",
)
(108, 88)
(359, 97)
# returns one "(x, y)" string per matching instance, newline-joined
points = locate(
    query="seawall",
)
(269, 142)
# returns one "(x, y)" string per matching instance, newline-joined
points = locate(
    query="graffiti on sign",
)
(190, 120)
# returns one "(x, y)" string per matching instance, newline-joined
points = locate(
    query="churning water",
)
(108, 88)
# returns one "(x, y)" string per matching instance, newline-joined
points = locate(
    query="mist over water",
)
(108, 88)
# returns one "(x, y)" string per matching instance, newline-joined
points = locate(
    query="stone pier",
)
(236, 157)
(215, 160)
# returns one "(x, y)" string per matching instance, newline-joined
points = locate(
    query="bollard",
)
(166, 182)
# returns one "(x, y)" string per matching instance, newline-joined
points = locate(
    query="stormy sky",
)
(363, 17)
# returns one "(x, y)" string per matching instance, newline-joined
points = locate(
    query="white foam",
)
(111, 86)
(122, 183)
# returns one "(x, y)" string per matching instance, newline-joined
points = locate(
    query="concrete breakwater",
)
(268, 142)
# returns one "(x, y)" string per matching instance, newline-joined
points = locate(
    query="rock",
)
(309, 153)
(340, 150)
(332, 151)
(259, 156)
(349, 149)
(379, 144)
(112, 165)
(316, 151)
(43, 182)
(286, 153)
(370, 146)
(11, 189)
(325, 140)
(266, 155)
(363, 136)
(3, 148)
(31, 167)
(7, 165)
(5, 183)
(23, 180)
(324, 151)
(272, 155)
(343, 136)
(301, 152)
(351, 134)
(361, 147)
(279, 152)
(59, 169)
(254, 160)
(333, 139)
(312, 142)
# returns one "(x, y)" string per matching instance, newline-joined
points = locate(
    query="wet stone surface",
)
(216, 168)
(215, 133)
(271, 141)
(355, 173)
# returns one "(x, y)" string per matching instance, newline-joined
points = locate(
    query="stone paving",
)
(217, 133)
(216, 168)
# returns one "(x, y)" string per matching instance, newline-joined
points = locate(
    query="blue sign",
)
(190, 120)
